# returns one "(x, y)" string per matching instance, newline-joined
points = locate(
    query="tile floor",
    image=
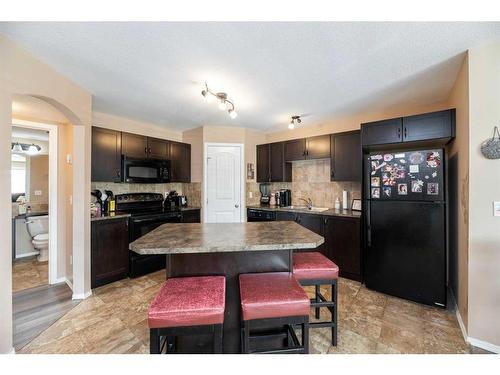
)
(113, 320)
(29, 273)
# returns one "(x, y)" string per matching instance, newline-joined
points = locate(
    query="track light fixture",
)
(224, 103)
(30, 149)
(294, 121)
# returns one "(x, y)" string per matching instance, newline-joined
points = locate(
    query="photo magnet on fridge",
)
(402, 189)
(387, 191)
(416, 186)
(414, 168)
(400, 155)
(433, 188)
(375, 192)
(388, 157)
(433, 159)
(375, 181)
(416, 158)
(376, 157)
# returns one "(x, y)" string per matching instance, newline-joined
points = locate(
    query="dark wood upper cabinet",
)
(438, 126)
(263, 153)
(158, 148)
(295, 149)
(134, 145)
(382, 132)
(433, 125)
(346, 156)
(318, 147)
(343, 245)
(279, 171)
(106, 155)
(180, 158)
(109, 251)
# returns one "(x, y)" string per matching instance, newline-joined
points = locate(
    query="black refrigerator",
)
(405, 224)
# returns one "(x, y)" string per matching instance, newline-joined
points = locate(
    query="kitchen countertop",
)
(226, 237)
(329, 212)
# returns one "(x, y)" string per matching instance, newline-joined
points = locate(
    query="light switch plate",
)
(496, 208)
(38, 192)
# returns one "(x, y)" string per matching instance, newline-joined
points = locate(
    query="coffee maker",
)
(265, 193)
(285, 197)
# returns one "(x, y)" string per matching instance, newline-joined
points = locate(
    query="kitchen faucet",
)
(308, 201)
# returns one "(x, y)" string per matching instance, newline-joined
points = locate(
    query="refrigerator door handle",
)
(368, 226)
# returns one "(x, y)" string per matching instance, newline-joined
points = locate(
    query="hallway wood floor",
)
(36, 309)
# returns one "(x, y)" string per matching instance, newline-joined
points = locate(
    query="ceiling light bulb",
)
(32, 150)
(291, 125)
(222, 105)
(232, 114)
(17, 147)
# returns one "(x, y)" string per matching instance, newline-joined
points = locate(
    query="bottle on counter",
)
(337, 203)
(272, 200)
(112, 204)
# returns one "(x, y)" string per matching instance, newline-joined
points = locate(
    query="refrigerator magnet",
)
(414, 168)
(375, 192)
(416, 158)
(402, 189)
(426, 177)
(432, 188)
(416, 186)
(400, 172)
(434, 174)
(402, 161)
(388, 157)
(376, 157)
(387, 191)
(375, 181)
(400, 155)
(433, 159)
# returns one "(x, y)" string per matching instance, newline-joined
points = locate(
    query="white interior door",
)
(223, 183)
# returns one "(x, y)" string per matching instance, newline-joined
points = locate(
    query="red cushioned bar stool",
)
(313, 268)
(187, 306)
(273, 300)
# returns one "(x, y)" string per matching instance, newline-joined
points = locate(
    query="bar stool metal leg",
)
(154, 341)
(317, 299)
(217, 339)
(334, 312)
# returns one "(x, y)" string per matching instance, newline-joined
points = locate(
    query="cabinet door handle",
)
(118, 173)
(399, 133)
(405, 133)
(145, 150)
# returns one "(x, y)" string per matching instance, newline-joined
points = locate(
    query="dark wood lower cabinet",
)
(343, 245)
(191, 216)
(109, 251)
(342, 239)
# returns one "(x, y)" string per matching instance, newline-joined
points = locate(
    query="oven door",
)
(145, 170)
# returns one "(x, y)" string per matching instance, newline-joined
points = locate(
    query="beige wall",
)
(105, 120)
(39, 179)
(195, 138)
(458, 156)
(21, 73)
(484, 228)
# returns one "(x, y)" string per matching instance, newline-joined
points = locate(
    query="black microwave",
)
(145, 171)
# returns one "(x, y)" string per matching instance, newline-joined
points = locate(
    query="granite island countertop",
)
(176, 238)
(329, 212)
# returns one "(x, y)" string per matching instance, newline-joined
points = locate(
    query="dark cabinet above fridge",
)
(346, 155)
(438, 127)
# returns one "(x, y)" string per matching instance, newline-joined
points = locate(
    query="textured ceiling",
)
(155, 71)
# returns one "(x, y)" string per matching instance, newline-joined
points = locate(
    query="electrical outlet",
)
(71, 260)
(250, 194)
(71, 199)
(38, 192)
(69, 159)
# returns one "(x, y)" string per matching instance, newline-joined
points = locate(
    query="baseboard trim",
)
(461, 323)
(484, 345)
(82, 295)
(70, 284)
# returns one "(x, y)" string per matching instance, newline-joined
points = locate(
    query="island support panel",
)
(231, 265)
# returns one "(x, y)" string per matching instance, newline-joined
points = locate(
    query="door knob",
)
(236, 205)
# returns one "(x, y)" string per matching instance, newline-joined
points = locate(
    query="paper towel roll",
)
(345, 203)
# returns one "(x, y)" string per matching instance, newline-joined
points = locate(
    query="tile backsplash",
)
(311, 179)
(191, 190)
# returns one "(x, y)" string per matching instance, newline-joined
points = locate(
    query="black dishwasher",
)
(260, 215)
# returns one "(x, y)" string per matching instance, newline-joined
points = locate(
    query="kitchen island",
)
(226, 249)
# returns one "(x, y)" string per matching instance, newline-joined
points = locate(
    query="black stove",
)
(147, 213)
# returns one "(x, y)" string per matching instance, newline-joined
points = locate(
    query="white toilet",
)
(38, 228)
